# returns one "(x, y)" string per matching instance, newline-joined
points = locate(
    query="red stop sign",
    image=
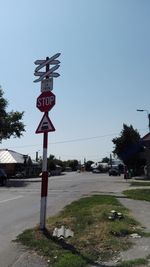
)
(45, 101)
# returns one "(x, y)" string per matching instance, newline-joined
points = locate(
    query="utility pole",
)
(148, 116)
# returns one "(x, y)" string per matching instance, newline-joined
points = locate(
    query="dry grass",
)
(95, 236)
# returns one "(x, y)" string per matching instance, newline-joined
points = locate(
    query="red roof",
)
(146, 137)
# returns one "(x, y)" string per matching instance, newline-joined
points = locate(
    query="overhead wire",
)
(70, 140)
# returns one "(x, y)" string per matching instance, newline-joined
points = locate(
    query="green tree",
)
(51, 165)
(73, 164)
(10, 122)
(106, 160)
(51, 157)
(128, 148)
(88, 165)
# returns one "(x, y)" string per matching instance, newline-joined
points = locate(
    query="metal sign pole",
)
(44, 186)
(45, 103)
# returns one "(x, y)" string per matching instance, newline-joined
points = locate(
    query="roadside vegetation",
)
(135, 183)
(138, 194)
(11, 124)
(135, 263)
(128, 148)
(96, 236)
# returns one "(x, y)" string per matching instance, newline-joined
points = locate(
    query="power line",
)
(67, 141)
(70, 140)
(82, 139)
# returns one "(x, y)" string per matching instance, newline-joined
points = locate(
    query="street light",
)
(148, 115)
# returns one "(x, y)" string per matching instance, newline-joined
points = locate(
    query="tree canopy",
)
(10, 122)
(128, 147)
(88, 165)
(106, 160)
(52, 162)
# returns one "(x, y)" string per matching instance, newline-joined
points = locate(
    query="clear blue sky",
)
(105, 71)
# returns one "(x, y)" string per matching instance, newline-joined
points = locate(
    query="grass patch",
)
(134, 263)
(69, 259)
(138, 194)
(134, 183)
(95, 236)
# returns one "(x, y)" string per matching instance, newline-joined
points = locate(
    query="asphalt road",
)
(20, 202)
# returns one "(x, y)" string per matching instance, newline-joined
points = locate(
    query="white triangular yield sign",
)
(45, 125)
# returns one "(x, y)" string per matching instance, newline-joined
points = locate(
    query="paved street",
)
(20, 204)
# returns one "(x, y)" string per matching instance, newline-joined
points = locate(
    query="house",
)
(16, 163)
(146, 140)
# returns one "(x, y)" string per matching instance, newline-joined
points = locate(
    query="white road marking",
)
(9, 199)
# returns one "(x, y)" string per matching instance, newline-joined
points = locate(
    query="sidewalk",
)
(141, 213)
(28, 259)
(140, 210)
(18, 256)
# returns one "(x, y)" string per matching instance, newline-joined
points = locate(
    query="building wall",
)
(28, 170)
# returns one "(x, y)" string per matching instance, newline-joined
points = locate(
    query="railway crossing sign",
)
(50, 72)
(45, 125)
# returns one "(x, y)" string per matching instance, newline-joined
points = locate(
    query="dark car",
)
(3, 177)
(114, 171)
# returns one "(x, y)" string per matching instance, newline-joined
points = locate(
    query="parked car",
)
(3, 177)
(114, 171)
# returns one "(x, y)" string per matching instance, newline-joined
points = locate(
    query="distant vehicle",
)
(98, 167)
(114, 171)
(96, 170)
(3, 177)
